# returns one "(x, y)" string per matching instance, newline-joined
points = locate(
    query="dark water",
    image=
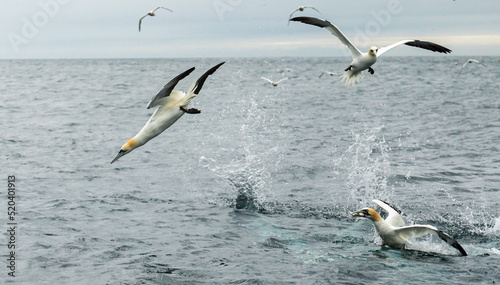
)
(294, 159)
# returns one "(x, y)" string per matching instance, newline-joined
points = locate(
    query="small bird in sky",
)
(470, 60)
(274, 83)
(302, 8)
(152, 14)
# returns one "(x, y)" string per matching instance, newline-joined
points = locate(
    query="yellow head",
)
(367, 213)
(126, 148)
(373, 51)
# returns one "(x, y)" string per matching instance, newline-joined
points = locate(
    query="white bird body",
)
(172, 104)
(362, 61)
(393, 231)
(274, 83)
(470, 60)
(152, 14)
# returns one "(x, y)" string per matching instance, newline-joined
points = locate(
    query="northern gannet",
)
(470, 60)
(301, 8)
(393, 231)
(274, 83)
(152, 14)
(362, 61)
(172, 104)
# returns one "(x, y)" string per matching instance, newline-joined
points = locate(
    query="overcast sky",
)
(240, 28)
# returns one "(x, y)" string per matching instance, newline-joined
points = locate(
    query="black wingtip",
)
(311, 21)
(201, 80)
(429, 46)
(391, 205)
(444, 236)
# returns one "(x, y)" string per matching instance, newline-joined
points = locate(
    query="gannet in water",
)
(152, 14)
(274, 83)
(393, 231)
(172, 104)
(470, 60)
(362, 61)
(301, 8)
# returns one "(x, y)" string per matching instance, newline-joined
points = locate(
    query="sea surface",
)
(257, 188)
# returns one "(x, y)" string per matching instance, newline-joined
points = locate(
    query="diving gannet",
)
(172, 104)
(152, 14)
(274, 83)
(393, 231)
(470, 60)
(301, 8)
(362, 61)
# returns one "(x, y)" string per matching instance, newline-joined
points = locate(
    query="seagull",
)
(152, 14)
(327, 72)
(301, 8)
(172, 104)
(393, 231)
(362, 61)
(274, 83)
(470, 60)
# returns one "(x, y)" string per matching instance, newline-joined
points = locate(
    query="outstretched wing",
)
(162, 8)
(420, 230)
(168, 88)
(268, 80)
(283, 79)
(415, 43)
(195, 88)
(140, 21)
(332, 28)
(394, 218)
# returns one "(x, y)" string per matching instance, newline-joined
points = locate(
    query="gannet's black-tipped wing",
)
(140, 21)
(162, 8)
(195, 88)
(168, 88)
(420, 230)
(415, 43)
(332, 28)
(394, 218)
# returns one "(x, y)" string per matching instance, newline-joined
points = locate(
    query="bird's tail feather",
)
(351, 78)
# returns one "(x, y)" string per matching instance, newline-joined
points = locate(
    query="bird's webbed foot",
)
(190, 111)
(370, 70)
(348, 68)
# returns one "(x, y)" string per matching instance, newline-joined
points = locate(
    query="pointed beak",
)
(360, 213)
(120, 154)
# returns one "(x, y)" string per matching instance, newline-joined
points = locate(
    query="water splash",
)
(253, 153)
(366, 163)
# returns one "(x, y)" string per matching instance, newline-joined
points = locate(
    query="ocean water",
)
(257, 188)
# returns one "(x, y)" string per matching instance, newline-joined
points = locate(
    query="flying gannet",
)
(172, 104)
(470, 60)
(393, 231)
(274, 83)
(302, 8)
(362, 61)
(152, 14)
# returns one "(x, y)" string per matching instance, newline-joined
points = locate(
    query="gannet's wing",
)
(463, 66)
(476, 61)
(268, 80)
(394, 218)
(332, 28)
(195, 88)
(321, 74)
(168, 88)
(420, 230)
(162, 8)
(292, 14)
(314, 9)
(283, 79)
(140, 21)
(415, 43)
